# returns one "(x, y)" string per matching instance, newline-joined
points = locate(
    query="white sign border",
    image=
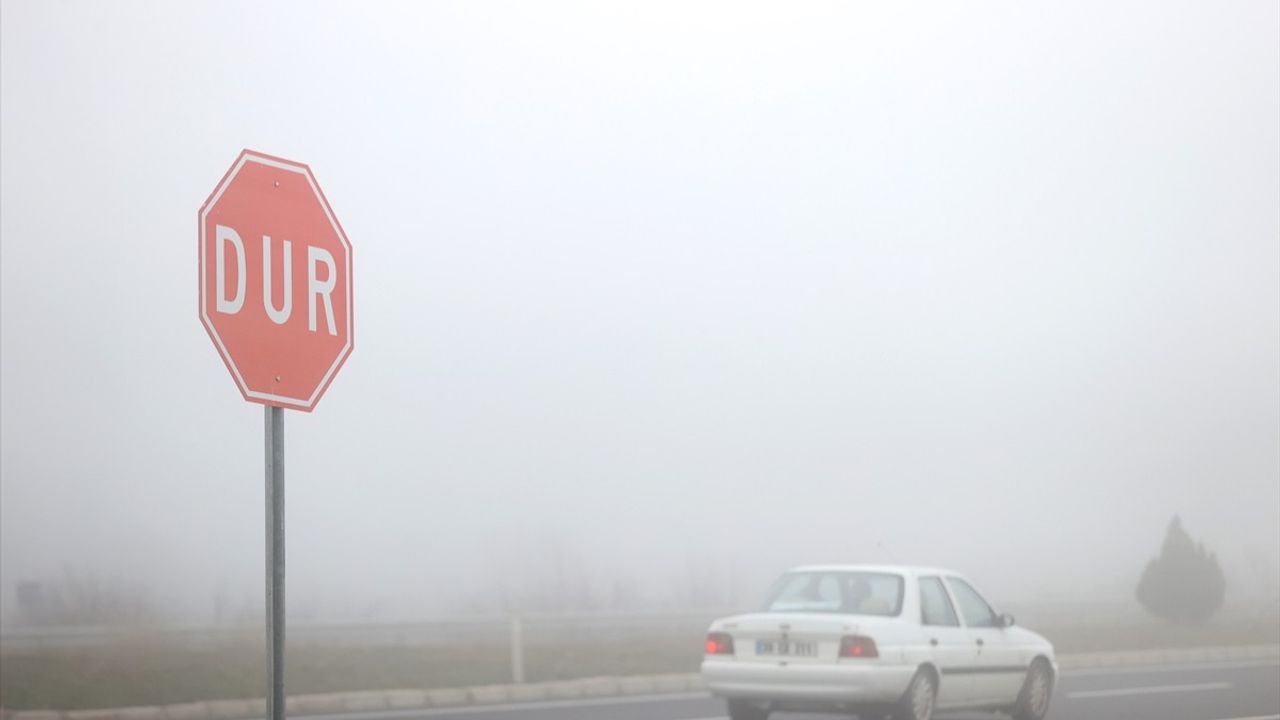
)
(308, 404)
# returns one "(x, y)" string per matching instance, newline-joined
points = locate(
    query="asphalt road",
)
(1232, 691)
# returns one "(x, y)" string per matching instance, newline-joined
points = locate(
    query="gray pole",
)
(275, 562)
(517, 650)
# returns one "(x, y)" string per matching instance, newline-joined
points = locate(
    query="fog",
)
(652, 300)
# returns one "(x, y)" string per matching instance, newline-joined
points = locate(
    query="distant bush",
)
(1185, 583)
(84, 599)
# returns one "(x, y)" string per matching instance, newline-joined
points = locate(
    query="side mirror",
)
(1004, 620)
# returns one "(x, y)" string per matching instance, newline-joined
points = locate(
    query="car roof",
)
(914, 570)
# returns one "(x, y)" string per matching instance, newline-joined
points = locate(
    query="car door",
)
(997, 672)
(949, 642)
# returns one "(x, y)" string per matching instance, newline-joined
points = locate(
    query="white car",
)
(875, 641)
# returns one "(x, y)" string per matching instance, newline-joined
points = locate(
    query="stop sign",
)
(275, 281)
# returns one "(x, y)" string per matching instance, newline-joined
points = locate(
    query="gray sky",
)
(663, 290)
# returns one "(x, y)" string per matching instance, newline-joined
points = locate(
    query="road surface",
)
(1226, 691)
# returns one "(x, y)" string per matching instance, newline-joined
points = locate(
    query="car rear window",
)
(854, 593)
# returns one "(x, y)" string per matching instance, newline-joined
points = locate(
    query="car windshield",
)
(854, 593)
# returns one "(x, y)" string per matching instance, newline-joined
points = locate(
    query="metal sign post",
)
(274, 417)
(265, 227)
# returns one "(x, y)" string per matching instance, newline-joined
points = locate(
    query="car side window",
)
(935, 606)
(975, 610)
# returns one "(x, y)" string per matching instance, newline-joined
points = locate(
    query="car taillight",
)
(857, 646)
(719, 644)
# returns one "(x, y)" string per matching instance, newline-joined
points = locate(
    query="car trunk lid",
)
(793, 637)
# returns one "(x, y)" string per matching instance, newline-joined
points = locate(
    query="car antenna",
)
(886, 552)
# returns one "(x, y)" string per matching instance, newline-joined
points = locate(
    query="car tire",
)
(744, 710)
(1037, 691)
(918, 701)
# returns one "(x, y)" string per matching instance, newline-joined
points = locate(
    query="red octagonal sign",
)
(275, 281)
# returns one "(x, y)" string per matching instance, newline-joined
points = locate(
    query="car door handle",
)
(933, 642)
(980, 643)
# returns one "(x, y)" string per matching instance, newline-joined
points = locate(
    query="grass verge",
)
(156, 674)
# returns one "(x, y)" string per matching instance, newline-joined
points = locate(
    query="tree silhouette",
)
(1185, 583)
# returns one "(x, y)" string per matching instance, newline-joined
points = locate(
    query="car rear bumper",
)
(852, 683)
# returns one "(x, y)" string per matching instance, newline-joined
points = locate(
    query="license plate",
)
(793, 648)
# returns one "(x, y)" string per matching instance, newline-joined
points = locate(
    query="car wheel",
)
(1037, 689)
(917, 702)
(744, 710)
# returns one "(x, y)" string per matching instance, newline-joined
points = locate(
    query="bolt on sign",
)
(275, 281)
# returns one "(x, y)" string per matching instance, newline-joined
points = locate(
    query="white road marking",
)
(1171, 667)
(1256, 717)
(1149, 690)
